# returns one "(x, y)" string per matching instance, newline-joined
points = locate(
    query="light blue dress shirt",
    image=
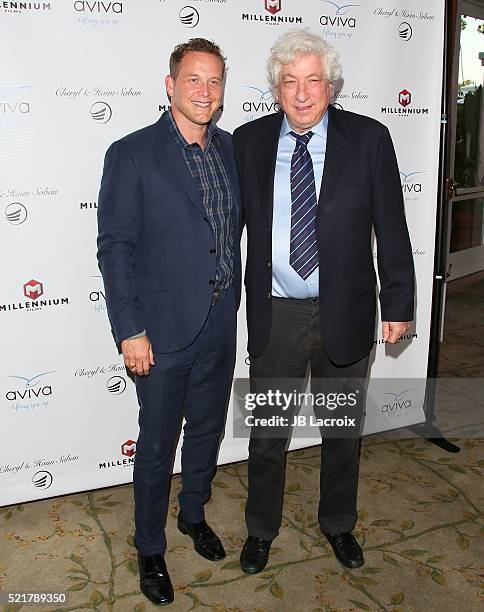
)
(286, 282)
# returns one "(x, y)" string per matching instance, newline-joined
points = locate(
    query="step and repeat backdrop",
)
(77, 75)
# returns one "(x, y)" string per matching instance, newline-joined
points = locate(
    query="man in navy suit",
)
(168, 250)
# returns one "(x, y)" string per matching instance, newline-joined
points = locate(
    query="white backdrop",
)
(77, 75)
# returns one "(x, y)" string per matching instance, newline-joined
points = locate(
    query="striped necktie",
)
(303, 255)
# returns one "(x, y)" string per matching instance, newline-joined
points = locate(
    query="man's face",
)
(303, 91)
(196, 93)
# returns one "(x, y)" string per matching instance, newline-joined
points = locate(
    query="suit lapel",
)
(266, 163)
(336, 146)
(172, 157)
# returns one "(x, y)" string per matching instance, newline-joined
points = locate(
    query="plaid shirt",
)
(212, 181)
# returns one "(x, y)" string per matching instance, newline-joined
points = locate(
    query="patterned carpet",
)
(420, 523)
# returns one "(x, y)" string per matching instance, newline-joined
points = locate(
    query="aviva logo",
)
(340, 17)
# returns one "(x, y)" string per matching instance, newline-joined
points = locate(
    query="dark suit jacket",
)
(155, 244)
(360, 189)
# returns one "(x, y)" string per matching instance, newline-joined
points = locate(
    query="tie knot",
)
(302, 139)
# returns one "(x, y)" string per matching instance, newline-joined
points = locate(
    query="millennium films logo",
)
(340, 21)
(271, 16)
(404, 98)
(88, 205)
(258, 103)
(128, 451)
(405, 339)
(189, 16)
(405, 31)
(26, 394)
(128, 448)
(21, 7)
(33, 290)
(116, 385)
(42, 479)
(406, 107)
(272, 6)
(16, 213)
(101, 112)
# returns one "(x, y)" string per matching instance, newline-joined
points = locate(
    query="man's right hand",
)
(138, 355)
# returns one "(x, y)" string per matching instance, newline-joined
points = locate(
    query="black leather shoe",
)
(207, 542)
(346, 548)
(155, 583)
(254, 555)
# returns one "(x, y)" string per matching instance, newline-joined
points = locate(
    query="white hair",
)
(294, 42)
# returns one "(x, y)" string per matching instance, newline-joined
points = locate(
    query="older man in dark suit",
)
(315, 181)
(169, 254)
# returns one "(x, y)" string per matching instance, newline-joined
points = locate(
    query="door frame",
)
(468, 261)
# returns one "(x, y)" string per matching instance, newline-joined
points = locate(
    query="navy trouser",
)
(194, 383)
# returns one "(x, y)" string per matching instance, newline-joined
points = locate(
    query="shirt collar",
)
(181, 141)
(321, 128)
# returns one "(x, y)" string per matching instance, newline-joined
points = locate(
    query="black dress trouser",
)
(293, 348)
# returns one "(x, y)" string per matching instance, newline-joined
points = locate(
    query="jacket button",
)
(211, 282)
(269, 264)
(212, 251)
(269, 295)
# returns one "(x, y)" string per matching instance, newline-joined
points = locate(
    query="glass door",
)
(465, 240)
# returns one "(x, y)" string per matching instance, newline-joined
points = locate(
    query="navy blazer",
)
(155, 243)
(360, 191)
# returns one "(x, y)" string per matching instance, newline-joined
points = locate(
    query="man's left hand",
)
(394, 330)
